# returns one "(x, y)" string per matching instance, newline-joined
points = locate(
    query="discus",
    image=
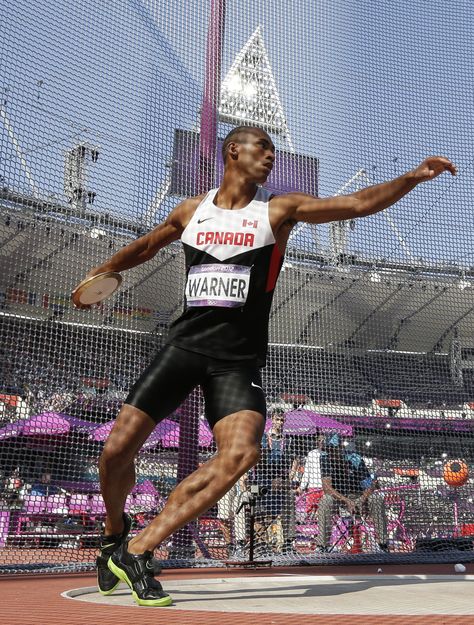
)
(95, 289)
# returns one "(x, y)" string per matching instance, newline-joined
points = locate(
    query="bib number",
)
(225, 286)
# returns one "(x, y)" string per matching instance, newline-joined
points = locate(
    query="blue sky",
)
(371, 84)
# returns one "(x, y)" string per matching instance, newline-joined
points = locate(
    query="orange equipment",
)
(455, 472)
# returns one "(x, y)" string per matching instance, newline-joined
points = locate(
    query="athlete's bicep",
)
(163, 234)
(172, 228)
(309, 209)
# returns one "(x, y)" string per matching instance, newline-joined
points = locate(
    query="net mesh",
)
(106, 118)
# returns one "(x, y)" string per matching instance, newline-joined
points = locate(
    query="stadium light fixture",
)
(250, 90)
(235, 84)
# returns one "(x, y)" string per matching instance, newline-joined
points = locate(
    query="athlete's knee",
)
(118, 451)
(116, 454)
(132, 428)
(250, 458)
(239, 459)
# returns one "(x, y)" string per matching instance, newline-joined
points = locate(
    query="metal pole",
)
(210, 101)
(189, 422)
(187, 463)
(252, 528)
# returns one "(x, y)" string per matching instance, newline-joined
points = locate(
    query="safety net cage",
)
(113, 112)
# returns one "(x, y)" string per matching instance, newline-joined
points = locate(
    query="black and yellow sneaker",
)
(106, 580)
(138, 572)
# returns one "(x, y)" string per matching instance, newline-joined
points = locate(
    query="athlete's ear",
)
(233, 150)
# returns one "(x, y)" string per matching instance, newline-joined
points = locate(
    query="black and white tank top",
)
(232, 266)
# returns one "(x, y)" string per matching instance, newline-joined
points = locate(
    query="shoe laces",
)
(148, 561)
(149, 570)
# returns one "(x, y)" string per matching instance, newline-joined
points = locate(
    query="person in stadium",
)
(234, 240)
(311, 484)
(44, 486)
(347, 482)
(276, 471)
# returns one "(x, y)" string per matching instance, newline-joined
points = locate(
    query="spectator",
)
(311, 483)
(275, 472)
(346, 481)
(44, 487)
(14, 489)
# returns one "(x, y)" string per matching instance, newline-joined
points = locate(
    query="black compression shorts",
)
(227, 386)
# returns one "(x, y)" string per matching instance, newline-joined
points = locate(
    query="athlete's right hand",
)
(432, 167)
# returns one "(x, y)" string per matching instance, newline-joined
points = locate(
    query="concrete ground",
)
(311, 594)
(317, 595)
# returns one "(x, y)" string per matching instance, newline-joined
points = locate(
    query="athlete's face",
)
(256, 155)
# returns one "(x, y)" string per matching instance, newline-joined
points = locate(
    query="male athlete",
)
(234, 240)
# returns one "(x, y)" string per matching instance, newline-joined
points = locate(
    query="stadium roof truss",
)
(372, 305)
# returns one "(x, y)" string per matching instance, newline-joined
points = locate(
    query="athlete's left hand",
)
(433, 166)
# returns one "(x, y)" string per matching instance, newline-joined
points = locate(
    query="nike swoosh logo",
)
(150, 566)
(108, 545)
(200, 221)
(257, 386)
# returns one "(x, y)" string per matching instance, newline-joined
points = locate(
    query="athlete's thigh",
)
(232, 389)
(166, 382)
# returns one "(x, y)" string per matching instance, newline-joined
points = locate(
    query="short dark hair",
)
(236, 136)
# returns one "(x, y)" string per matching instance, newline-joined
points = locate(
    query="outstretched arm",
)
(306, 208)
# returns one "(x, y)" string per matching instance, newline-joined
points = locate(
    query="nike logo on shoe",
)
(108, 545)
(256, 386)
(200, 221)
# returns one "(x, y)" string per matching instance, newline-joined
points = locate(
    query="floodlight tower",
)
(249, 95)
